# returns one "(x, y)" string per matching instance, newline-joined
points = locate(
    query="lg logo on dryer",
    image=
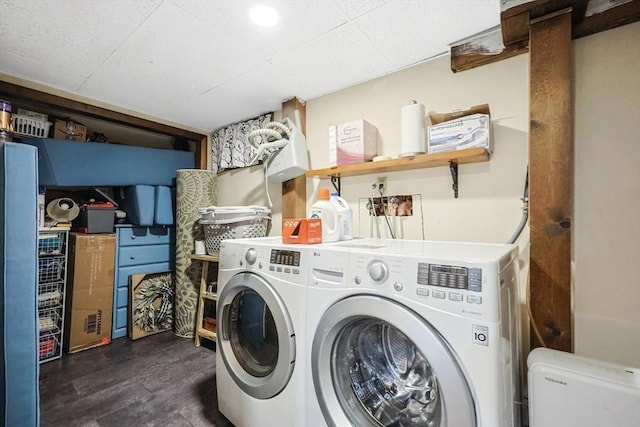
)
(480, 335)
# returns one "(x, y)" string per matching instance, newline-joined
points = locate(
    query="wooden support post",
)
(550, 175)
(202, 154)
(294, 191)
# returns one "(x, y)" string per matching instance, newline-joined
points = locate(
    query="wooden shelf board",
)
(212, 297)
(471, 155)
(209, 258)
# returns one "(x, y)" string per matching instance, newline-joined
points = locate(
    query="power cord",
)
(375, 212)
(384, 209)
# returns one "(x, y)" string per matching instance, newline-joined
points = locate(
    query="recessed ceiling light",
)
(264, 16)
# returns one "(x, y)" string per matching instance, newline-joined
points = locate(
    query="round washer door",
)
(377, 363)
(256, 337)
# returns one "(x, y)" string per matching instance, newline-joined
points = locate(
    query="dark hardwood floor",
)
(160, 380)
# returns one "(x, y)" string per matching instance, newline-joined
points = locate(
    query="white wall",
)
(489, 206)
(607, 195)
(606, 232)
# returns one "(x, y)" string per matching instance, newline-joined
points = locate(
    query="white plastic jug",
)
(345, 216)
(326, 211)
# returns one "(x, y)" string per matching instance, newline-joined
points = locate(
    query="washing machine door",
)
(256, 337)
(375, 362)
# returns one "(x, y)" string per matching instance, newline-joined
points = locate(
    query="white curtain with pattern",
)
(230, 147)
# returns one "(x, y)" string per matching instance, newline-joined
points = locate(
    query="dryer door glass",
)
(383, 372)
(254, 338)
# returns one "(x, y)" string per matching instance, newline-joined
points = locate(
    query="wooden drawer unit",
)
(138, 250)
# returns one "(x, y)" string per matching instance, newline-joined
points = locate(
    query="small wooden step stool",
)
(204, 296)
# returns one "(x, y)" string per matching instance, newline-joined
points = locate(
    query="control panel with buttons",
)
(453, 281)
(450, 276)
(282, 257)
(451, 284)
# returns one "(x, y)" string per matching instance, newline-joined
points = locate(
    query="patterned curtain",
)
(230, 147)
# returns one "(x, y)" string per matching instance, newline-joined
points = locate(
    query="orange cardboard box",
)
(302, 230)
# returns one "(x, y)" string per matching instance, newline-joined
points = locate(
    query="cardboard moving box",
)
(90, 291)
(73, 131)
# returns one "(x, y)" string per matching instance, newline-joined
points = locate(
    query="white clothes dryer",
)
(261, 311)
(413, 333)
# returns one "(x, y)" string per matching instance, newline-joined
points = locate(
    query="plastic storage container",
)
(232, 222)
(95, 218)
(345, 216)
(24, 125)
(326, 211)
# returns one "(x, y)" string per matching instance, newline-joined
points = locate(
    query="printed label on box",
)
(460, 134)
(357, 142)
(302, 230)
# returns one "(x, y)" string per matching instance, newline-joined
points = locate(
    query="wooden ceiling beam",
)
(515, 22)
(484, 49)
(623, 14)
(585, 20)
(515, 29)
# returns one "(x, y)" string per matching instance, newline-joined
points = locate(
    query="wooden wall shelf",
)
(471, 155)
(450, 158)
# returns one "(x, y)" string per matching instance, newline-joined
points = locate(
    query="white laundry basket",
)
(232, 222)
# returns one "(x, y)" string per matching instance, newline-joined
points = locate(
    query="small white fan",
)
(63, 210)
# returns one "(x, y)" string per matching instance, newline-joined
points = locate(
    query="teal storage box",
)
(163, 206)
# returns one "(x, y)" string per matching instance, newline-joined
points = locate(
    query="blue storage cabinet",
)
(139, 250)
(19, 405)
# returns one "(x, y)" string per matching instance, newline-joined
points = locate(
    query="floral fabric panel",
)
(230, 147)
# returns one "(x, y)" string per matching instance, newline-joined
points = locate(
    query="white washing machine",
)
(261, 311)
(413, 333)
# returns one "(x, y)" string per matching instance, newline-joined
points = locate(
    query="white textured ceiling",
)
(203, 64)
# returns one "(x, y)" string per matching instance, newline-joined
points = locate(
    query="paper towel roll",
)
(412, 130)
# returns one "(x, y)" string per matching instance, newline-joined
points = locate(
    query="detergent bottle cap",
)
(323, 194)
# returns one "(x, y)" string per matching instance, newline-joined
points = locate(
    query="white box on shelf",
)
(333, 145)
(357, 142)
(460, 130)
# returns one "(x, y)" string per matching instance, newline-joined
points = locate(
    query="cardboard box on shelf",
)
(78, 132)
(354, 142)
(147, 296)
(460, 130)
(89, 308)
